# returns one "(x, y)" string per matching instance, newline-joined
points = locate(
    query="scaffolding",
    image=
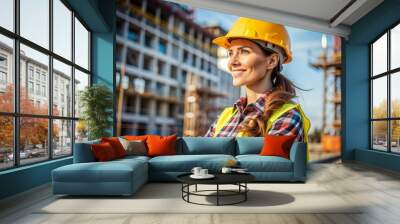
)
(198, 106)
(331, 122)
(205, 46)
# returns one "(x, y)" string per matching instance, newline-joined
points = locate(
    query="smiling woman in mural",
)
(257, 50)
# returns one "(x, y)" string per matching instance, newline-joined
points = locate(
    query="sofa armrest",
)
(83, 152)
(298, 155)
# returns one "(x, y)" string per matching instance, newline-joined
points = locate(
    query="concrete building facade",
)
(158, 46)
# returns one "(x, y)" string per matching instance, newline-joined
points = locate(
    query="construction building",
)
(160, 48)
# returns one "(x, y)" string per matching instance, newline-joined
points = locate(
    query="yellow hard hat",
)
(258, 30)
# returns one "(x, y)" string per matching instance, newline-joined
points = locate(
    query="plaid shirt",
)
(289, 123)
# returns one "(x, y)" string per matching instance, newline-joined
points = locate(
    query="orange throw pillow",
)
(135, 137)
(116, 145)
(277, 145)
(161, 145)
(103, 151)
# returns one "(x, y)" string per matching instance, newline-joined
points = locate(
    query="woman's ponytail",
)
(283, 92)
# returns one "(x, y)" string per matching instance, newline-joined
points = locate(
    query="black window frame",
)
(16, 114)
(388, 74)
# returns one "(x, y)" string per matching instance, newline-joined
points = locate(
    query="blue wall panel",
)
(377, 158)
(91, 13)
(355, 83)
(24, 178)
(355, 107)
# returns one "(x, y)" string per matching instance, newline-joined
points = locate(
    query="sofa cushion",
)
(185, 163)
(249, 145)
(111, 171)
(257, 163)
(93, 172)
(83, 152)
(131, 158)
(206, 145)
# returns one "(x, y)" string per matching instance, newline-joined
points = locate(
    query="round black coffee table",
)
(238, 179)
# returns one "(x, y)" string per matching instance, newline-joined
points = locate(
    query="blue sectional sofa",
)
(125, 176)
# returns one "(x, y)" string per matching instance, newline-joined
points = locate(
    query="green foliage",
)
(96, 102)
(380, 127)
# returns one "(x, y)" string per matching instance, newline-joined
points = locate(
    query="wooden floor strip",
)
(377, 189)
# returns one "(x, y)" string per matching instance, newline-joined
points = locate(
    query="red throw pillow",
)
(103, 152)
(277, 145)
(116, 145)
(161, 145)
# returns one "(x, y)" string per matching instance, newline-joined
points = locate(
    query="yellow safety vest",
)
(228, 112)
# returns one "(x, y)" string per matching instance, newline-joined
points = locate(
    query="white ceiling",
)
(316, 15)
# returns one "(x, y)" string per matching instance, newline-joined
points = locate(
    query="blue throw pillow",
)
(249, 145)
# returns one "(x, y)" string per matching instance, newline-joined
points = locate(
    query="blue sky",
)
(306, 45)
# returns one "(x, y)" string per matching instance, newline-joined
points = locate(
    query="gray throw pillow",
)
(136, 147)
